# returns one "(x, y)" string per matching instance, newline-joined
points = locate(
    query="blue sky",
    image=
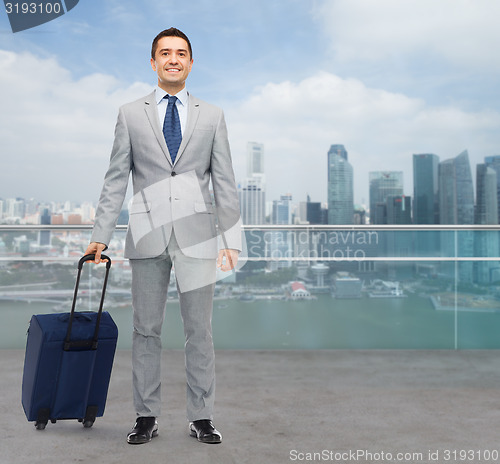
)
(236, 45)
(386, 78)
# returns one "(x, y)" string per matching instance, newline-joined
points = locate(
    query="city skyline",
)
(387, 80)
(444, 193)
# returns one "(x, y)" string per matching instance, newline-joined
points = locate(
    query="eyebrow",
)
(169, 50)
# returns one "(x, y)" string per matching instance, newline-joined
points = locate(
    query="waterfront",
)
(324, 323)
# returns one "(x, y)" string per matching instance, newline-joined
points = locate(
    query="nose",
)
(173, 58)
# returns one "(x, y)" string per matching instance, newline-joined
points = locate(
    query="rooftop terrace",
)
(274, 407)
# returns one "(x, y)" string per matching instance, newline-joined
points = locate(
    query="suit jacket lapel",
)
(193, 113)
(151, 109)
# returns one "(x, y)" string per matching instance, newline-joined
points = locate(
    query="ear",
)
(153, 64)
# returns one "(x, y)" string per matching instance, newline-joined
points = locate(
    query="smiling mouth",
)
(174, 70)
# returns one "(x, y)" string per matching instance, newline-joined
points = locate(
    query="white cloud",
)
(461, 32)
(297, 122)
(56, 129)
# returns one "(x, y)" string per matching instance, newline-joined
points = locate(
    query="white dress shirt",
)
(181, 104)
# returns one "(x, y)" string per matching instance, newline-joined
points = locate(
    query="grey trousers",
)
(195, 284)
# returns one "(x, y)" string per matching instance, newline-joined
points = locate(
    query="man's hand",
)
(96, 249)
(231, 258)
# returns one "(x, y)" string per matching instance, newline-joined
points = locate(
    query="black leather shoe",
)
(205, 431)
(144, 430)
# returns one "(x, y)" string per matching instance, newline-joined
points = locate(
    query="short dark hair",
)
(172, 32)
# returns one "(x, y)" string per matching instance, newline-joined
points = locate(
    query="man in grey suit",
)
(174, 145)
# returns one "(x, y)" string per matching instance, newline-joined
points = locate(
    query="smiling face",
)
(172, 63)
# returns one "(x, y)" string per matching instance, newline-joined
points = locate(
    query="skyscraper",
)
(425, 189)
(486, 242)
(44, 235)
(456, 191)
(252, 191)
(340, 187)
(315, 213)
(15, 208)
(252, 201)
(398, 243)
(398, 209)
(311, 212)
(281, 213)
(280, 243)
(456, 206)
(382, 185)
(493, 162)
(486, 198)
(255, 159)
(426, 205)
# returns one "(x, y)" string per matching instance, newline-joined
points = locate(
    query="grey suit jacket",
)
(170, 197)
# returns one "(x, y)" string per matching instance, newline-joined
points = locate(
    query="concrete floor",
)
(277, 406)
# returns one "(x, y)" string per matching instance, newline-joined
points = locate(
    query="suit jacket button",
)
(174, 173)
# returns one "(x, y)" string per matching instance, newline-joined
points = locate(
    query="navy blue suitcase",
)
(68, 362)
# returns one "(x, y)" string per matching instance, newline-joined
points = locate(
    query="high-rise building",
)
(425, 189)
(56, 219)
(486, 198)
(280, 243)
(359, 214)
(255, 160)
(398, 243)
(385, 185)
(74, 219)
(426, 206)
(382, 185)
(493, 162)
(15, 208)
(314, 213)
(44, 235)
(486, 242)
(282, 213)
(340, 187)
(87, 211)
(456, 206)
(338, 150)
(252, 201)
(252, 191)
(31, 207)
(456, 191)
(311, 212)
(398, 209)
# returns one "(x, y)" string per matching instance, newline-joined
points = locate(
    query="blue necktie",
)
(172, 127)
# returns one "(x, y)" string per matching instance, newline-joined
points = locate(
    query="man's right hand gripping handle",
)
(96, 248)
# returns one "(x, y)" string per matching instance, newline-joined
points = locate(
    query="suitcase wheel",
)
(88, 423)
(90, 416)
(43, 417)
(53, 421)
(40, 425)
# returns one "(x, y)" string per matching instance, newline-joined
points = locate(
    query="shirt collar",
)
(182, 96)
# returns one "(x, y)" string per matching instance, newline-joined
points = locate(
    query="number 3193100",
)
(33, 8)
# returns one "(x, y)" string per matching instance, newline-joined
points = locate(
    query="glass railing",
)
(297, 287)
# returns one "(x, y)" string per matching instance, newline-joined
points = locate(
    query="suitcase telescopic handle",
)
(91, 257)
(86, 344)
